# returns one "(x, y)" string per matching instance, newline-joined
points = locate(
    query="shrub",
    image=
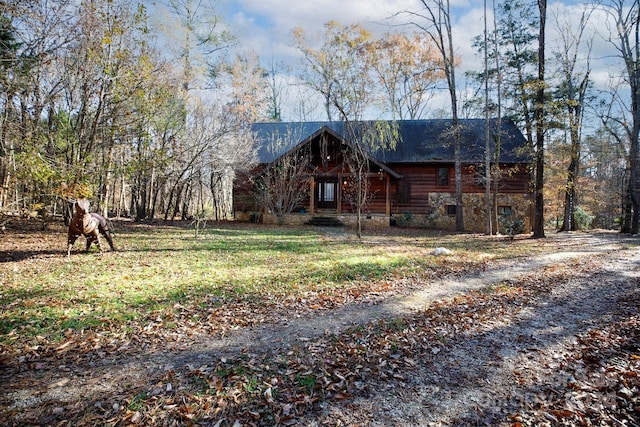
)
(584, 219)
(511, 225)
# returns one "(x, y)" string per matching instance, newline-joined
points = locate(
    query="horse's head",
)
(82, 206)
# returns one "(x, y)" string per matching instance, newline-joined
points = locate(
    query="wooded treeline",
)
(90, 108)
(150, 120)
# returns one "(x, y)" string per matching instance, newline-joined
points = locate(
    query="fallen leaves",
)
(604, 388)
(294, 379)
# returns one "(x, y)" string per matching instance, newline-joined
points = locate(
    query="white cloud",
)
(265, 26)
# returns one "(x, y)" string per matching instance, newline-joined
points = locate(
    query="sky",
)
(265, 27)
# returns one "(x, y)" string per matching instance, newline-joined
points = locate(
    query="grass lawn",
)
(167, 275)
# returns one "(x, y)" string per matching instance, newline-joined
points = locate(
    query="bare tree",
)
(364, 139)
(487, 133)
(206, 132)
(624, 36)
(407, 68)
(277, 91)
(246, 86)
(197, 32)
(33, 34)
(283, 184)
(341, 71)
(493, 47)
(572, 95)
(538, 226)
(435, 21)
(612, 113)
(234, 153)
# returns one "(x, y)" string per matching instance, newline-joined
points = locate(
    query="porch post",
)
(388, 195)
(339, 206)
(312, 195)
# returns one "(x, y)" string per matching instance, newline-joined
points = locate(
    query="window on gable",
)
(404, 193)
(443, 176)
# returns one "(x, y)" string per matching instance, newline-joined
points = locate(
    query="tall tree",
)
(110, 68)
(407, 67)
(246, 86)
(613, 114)
(197, 32)
(277, 92)
(487, 133)
(496, 173)
(32, 85)
(8, 54)
(435, 20)
(340, 70)
(538, 222)
(603, 171)
(624, 36)
(572, 94)
(517, 31)
(364, 139)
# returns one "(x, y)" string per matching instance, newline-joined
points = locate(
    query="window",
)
(404, 193)
(328, 191)
(443, 177)
(505, 211)
(451, 209)
(327, 194)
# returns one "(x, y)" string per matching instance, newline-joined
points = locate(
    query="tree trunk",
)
(487, 131)
(627, 207)
(107, 179)
(569, 223)
(538, 230)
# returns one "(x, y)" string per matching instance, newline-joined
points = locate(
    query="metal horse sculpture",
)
(88, 224)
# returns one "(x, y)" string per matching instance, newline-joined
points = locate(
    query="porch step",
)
(325, 221)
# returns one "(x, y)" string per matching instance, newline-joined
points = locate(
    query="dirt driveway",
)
(530, 364)
(547, 340)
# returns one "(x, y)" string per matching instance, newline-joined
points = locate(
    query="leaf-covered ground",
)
(546, 333)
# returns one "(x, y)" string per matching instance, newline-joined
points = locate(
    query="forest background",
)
(145, 108)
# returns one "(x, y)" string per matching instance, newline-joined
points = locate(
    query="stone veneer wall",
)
(474, 210)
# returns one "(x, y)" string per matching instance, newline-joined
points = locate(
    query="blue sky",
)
(265, 26)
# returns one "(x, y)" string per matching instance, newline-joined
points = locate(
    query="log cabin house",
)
(411, 184)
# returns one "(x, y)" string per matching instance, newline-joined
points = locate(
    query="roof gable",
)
(421, 141)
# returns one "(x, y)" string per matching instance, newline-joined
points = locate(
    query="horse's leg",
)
(71, 239)
(103, 227)
(97, 233)
(94, 236)
(107, 235)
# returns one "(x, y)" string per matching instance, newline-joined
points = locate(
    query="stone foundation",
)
(374, 220)
(437, 218)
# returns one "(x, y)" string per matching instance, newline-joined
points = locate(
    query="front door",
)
(327, 195)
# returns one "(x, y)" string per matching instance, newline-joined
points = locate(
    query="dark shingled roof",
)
(421, 141)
